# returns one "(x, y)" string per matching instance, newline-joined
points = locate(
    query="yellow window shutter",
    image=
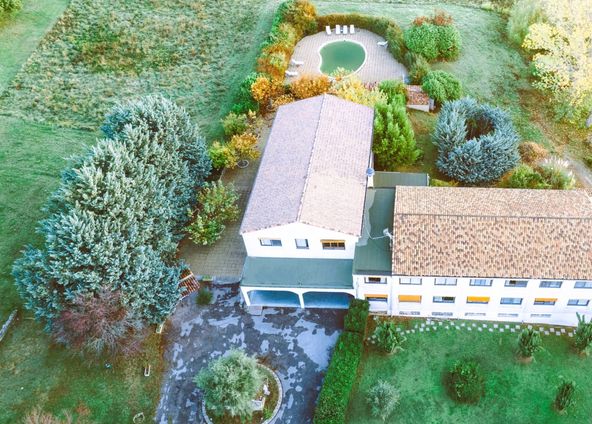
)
(381, 296)
(478, 299)
(545, 299)
(409, 298)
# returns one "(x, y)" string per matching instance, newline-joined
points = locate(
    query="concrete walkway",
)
(295, 343)
(380, 64)
(430, 325)
(225, 259)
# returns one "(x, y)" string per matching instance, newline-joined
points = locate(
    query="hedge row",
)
(386, 28)
(339, 380)
(355, 320)
(343, 368)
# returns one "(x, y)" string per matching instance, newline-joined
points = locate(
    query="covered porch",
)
(297, 283)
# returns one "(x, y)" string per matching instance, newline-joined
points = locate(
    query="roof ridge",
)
(312, 150)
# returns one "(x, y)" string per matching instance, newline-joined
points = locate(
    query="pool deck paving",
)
(379, 65)
(295, 343)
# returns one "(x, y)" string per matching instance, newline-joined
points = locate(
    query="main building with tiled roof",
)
(322, 227)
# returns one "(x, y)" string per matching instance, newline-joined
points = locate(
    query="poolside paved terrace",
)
(379, 65)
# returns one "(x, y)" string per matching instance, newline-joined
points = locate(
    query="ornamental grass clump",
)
(477, 143)
(465, 380)
(387, 337)
(583, 335)
(565, 396)
(529, 342)
(382, 400)
(229, 384)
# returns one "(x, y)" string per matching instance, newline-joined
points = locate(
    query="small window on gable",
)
(583, 285)
(270, 242)
(301, 243)
(551, 284)
(333, 244)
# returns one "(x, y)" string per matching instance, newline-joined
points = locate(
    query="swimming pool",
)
(342, 54)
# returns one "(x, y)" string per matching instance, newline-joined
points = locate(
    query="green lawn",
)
(490, 69)
(34, 371)
(515, 393)
(104, 51)
(21, 31)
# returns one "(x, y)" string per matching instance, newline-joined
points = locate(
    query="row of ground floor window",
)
(544, 301)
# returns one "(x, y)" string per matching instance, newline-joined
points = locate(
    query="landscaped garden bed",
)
(515, 391)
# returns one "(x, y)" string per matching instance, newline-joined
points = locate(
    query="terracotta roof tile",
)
(314, 166)
(478, 232)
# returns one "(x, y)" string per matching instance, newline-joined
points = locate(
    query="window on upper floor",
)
(480, 282)
(550, 284)
(376, 297)
(578, 302)
(270, 242)
(333, 244)
(516, 283)
(545, 301)
(410, 280)
(301, 243)
(583, 285)
(445, 282)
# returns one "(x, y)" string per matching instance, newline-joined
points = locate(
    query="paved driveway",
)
(295, 343)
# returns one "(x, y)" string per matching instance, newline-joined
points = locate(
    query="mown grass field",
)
(515, 393)
(101, 52)
(36, 137)
(490, 69)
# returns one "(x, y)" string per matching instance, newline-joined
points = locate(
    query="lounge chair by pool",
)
(296, 62)
(338, 29)
(328, 30)
(382, 43)
(345, 30)
(291, 73)
(352, 30)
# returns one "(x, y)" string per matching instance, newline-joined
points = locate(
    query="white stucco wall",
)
(559, 314)
(289, 233)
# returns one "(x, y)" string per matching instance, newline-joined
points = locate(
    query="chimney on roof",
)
(370, 175)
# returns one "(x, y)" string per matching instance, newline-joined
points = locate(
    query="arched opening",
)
(329, 300)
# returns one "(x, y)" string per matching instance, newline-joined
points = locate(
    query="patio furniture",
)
(345, 30)
(382, 43)
(352, 29)
(338, 29)
(291, 73)
(296, 62)
(328, 30)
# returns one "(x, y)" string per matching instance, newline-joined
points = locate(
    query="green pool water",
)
(341, 54)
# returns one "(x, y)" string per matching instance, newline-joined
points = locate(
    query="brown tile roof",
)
(313, 169)
(416, 95)
(480, 232)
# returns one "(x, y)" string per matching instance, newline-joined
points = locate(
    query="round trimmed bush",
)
(442, 86)
(466, 383)
(477, 143)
